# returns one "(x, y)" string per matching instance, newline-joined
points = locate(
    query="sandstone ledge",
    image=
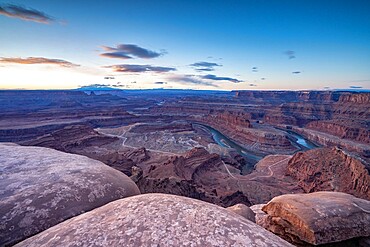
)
(318, 218)
(156, 220)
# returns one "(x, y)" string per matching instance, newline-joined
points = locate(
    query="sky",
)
(216, 45)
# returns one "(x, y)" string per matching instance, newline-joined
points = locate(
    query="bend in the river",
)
(253, 158)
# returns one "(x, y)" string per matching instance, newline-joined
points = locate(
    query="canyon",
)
(223, 148)
(227, 142)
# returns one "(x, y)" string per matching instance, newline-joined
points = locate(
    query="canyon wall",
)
(330, 169)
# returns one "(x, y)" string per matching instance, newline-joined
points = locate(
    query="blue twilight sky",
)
(254, 44)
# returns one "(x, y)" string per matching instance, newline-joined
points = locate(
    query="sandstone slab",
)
(318, 218)
(41, 187)
(156, 220)
(244, 211)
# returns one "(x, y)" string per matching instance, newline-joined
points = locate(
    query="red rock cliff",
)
(330, 169)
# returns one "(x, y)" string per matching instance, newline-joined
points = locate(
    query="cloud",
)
(116, 55)
(109, 78)
(129, 51)
(192, 79)
(216, 78)
(214, 58)
(205, 66)
(263, 78)
(296, 72)
(20, 12)
(290, 54)
(160, 82)
(254, 69)
(356, 87)
(252, 85)
(37, 60)
(204, 69)
(136, 68)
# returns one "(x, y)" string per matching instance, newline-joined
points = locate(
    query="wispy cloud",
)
(254, 69)
(217, 78)
(296, 72)
(190, 79)
(129, 51)
(137, 68)
(356, 87)
(160, 82)
(252, 85)
(37, 60)
(290, 54)
(205, 66)
(26, 14)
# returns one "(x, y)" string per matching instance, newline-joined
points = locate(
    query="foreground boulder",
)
(244, 211)
(156, 220)
(41, 187)
(259, 215)
(318, 218)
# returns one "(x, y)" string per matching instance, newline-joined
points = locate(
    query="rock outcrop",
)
(330, 169)
(318, 218)
(84, 140)
(259, 215)
(156, 220)
(41, 187)
(328, 140)
(244, 211)
(361, 98)
(71, 138)
(227, 119)
(196, 174)
(343, 129)
(288, 96)
(201, 175)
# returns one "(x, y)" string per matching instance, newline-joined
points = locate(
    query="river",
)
(223, 141)
(252, 158)
(301, 141)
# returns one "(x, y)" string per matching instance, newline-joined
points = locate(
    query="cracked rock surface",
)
(157, 220)
(41, 187)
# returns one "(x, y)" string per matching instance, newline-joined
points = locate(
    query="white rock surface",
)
(41, 187)
(157, 220)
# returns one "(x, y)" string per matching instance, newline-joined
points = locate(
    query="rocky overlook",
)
(157, 219)
(318, 218)
(41, 187)
(57, 197)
